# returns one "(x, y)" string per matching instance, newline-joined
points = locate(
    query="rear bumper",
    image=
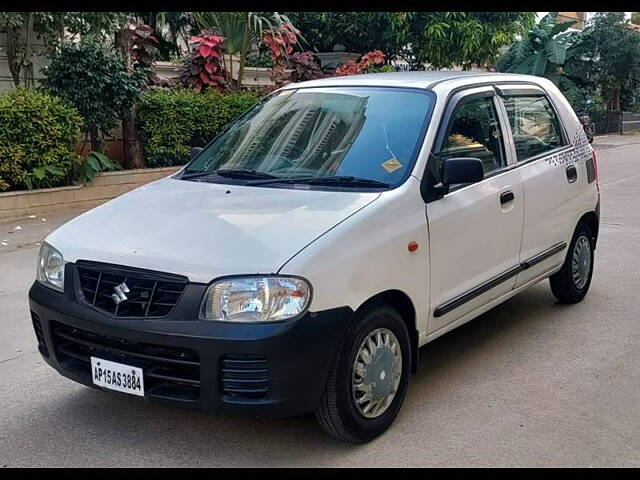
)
(275, 369)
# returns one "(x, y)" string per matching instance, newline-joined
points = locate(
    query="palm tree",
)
(240, 30)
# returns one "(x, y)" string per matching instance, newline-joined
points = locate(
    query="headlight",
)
(255, 299)
(50, 270)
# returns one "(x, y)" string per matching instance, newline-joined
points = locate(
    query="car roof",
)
(421, 79)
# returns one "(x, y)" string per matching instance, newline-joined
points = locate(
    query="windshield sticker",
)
(391, 165)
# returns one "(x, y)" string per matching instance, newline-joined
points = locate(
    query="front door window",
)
(474, 131)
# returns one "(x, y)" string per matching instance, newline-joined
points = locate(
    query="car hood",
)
(205, 230)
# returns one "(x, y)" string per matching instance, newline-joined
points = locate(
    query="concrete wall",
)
(106, 185)
(253, 76)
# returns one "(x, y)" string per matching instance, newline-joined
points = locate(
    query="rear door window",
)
(534, 125)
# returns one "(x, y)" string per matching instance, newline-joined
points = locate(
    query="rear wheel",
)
(571, 283)
(368, 378)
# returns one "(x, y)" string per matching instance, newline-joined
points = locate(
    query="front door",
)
(475, 230)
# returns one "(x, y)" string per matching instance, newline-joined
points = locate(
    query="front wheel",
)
(368, 378)
(571, 283)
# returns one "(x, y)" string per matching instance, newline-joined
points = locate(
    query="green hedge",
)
(172, 122)
(38, 137)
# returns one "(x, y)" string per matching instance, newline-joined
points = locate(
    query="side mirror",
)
(454, 171)
(195, 151)
(462, 170)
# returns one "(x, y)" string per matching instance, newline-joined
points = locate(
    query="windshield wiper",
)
(338, 180)
(347, 180)
(232, 173)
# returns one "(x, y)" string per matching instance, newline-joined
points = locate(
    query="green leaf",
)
(526, 66)
(93, 163)
(53, 170)
(556, 53)
(540, 64)
(102, 159)
(522, 50)
(39, 173)
(87, 175)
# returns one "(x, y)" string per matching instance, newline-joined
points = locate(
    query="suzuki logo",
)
(120, 290)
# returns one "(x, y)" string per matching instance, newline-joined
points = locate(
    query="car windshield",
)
(358, 136)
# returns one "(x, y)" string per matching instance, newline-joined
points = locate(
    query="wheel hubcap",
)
(581, 262)
(376, 373)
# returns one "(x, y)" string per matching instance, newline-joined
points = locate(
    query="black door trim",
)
(497, 280)
(544, 255)
(474, 292)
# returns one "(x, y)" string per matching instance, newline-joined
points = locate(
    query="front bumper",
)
(272, 369)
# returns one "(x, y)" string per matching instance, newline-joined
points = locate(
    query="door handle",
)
(572, 173)
(506, 197)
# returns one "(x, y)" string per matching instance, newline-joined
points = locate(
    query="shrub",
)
(38, 136)
(172, 122)
(97, 82)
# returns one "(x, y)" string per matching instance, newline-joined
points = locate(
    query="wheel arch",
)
(592, 220)
(403, 304)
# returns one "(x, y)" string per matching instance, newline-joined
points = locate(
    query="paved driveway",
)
(528, 383)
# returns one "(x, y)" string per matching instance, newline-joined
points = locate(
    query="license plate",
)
(117, 376)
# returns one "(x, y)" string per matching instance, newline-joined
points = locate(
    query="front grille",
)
(171, 373)
(37, 326)
(245, 377)
(149, 295)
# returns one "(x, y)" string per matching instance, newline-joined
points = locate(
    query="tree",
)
(446, 39)
(24, 29)
(441, 39)
(609, 55)
(19, 28)
(138, 46)
(97, 82)
(543, 51)
(358, 32)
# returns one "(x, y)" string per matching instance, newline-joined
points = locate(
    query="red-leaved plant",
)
(304, 67)
(280, 43)
(203, 68)
(144, 47)
(365, 63)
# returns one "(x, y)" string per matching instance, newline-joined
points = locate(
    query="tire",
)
(337, 412)
(563, 283)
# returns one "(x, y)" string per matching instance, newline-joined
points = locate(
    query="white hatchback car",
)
(303, 257)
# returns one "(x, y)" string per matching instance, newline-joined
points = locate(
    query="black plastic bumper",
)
(291, 358)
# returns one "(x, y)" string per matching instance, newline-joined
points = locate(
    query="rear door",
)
(546, 160)
(475, 230)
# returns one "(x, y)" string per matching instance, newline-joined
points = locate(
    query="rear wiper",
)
(339, 180)
(232, 173)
